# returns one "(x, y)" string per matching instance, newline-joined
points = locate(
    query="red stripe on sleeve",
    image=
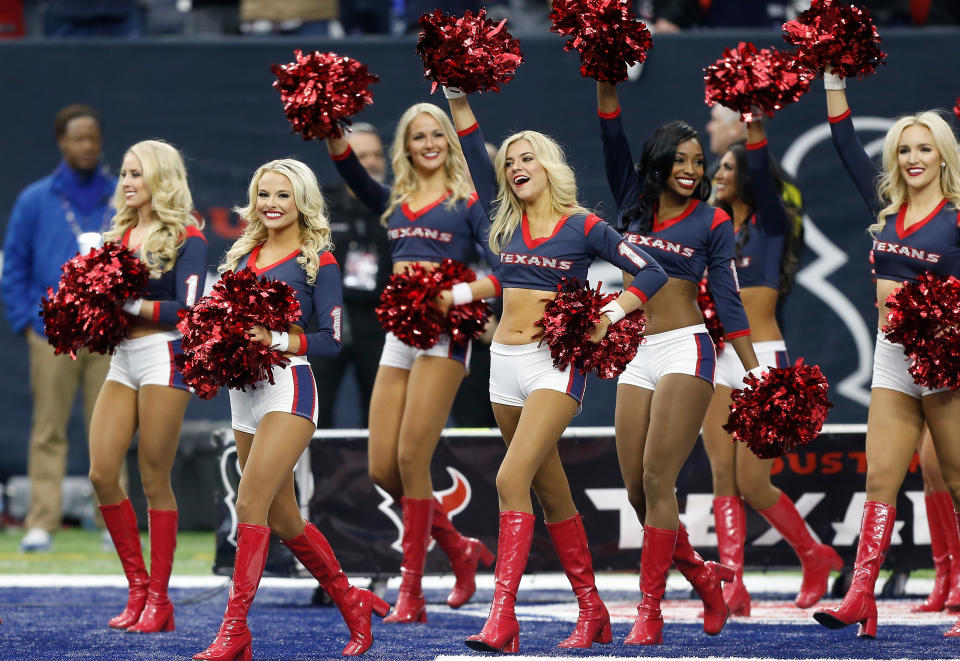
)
(498, 288)
(590, 223)
(470, 129)
(756, 145)
(636, 292)
(839, 118)
(303, 345)
(609, 115)
(343, 156)
(156, 312)
(743, 333)
(327, 258)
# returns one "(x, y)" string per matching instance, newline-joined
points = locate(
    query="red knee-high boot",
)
(121, 522)
(501, 631)
(816, 559)
(949, 522)
(356, 605)
(157, 613)
(233, 641)
(593, 624)
(417, 517)
(655, 560)
(859, 604)
(706, 577)
(465, 553)
(730, 520)
(939, 549)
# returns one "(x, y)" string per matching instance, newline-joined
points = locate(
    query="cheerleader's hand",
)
(261, 334)
(443, 302)
(599, 330)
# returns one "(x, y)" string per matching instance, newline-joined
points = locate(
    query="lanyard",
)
(72, 218)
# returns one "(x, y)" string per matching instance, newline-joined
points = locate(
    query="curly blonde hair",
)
(314, 224)
(562, 188)
(406, 181)
(171, 205)
(892, 189)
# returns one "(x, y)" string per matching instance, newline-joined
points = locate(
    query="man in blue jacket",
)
(51, 220)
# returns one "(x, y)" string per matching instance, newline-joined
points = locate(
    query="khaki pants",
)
(53, 382)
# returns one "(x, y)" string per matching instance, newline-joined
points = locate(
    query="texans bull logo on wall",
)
(454, 500)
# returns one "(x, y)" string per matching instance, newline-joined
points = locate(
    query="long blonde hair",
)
(405, 181)
(892, 189)
(171, 205)
(562, 186)
(314, 225)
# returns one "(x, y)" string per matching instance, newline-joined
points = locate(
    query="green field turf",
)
(78, 551)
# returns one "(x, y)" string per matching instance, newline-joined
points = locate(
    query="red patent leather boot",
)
(121, 522)
(356, 605)
(593, 623)
(233, 641)
(816, 559)
(937, 503)
(859, 604)
(655, 561)
(465, 553)
(501, 631)
(157, 613)
(707, 578)
(730, 520)
(952, 533)
(417, 518)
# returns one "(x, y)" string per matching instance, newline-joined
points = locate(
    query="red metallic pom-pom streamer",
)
(780, 412)
(746, 79)
(470, 52)
(834, 33)
(606, 33)
(87, 309)
(320, 91)
(924, 316)
(217, 351)
(618, 347)
(708, 308)
(406, 306)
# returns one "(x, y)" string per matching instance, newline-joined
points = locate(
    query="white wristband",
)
(832, 81)
(614, 311)
(757, 372)
(132, 306)
(279, 340)
(462, 293)
(453, 92)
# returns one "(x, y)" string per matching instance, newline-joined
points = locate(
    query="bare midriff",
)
(522, 309)
(760, 304)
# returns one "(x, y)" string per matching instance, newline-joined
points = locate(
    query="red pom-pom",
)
(606, 33)
(216, 348)
(708, 309)
(834, 33)
(406, 306)
(618, 347)
(924, 316)
(471, 52)
(746, 80)
(87, 309)
(320, 91)
(780, 412)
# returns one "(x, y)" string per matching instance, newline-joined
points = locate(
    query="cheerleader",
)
(664, 393)
(143, 393)
(542, 235)
(748, 190)
(917, 206)
(287, 238)
(430, 213)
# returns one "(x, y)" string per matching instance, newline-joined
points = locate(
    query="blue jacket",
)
(39, 239)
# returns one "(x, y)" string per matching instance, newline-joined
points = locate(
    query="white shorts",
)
(890, 365)
(397, 354)
(730, 370)
(516, 370)
(687, 350)
(294, 391)
(148, 361)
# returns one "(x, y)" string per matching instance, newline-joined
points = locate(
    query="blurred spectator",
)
(11, 19)
(363, 252)
(677, 15)
(92, 18)
(724, 128)
(299, 16)
(366, 16)
(913, 12)
(51, 219)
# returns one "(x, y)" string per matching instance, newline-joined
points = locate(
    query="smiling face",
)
(275, 204)
(687, 168)
(525, 174)
(426, 144)
(918, 157)
(726, 179)
(136, 192)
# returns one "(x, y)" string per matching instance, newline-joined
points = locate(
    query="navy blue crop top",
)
(932, 244)
(758, 261)
(699, 240)
(322, 301)
(179, 287)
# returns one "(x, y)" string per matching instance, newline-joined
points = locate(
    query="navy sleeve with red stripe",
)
(327, 311)
(855, 159)
(722, 277)
(190, 276)
(606, 242)
(478, 162)
(622, 177)
(770, 211)
(367, 189)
